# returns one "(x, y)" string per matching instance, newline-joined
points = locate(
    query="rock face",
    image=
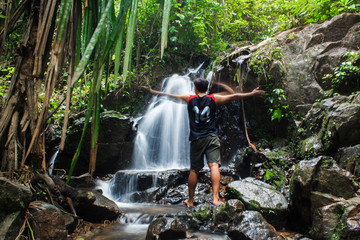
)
(338, 220)
(97, 208)
(14, 199)
(349, 159)
(166, 228)
(114, 146)
(251, 225)
(331, 124)
(308, 53)
(49, 222)
(296, 61)
(262, 197)
(324, 197)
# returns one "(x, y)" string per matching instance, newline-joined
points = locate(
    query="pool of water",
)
(136, 219)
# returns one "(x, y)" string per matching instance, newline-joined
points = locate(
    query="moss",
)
(202, 215)
(340, 227)
(232, 193)
(254, 204)
(275, 177)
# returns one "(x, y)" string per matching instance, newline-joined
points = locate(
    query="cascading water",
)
(163, 132)
(161, 143)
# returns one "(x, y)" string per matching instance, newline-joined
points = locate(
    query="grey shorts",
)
(208, 146)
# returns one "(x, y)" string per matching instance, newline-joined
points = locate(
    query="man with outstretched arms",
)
(203, 134)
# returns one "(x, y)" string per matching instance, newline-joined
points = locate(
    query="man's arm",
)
(228, 90)
(183, 98)
(222, 99)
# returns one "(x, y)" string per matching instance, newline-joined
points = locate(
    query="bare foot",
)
(188, 203)
(218, 203)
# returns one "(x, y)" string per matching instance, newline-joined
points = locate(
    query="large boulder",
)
(95, 207)
(250, 225)
(260, 196)
(331, 124)
(297, 61)
(317, 183)
(166, 228)
(338, 220)
(114, 146)
(14, 200)
(49, 222)
(302, 56)
(349, 159)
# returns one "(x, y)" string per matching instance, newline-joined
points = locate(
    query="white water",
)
(163, 132)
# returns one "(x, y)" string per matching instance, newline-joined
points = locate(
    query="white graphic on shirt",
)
(204, 116)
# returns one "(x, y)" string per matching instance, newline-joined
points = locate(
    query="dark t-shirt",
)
(201, 116)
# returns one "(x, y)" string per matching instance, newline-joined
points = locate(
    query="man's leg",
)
(215, 181)
(192, 181)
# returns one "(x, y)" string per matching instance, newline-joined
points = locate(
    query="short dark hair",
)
(201, 84)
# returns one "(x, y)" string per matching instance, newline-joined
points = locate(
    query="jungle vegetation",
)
(59, 58)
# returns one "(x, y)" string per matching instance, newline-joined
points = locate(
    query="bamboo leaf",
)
(87, 118)
(90, 47)
(164, 28)
(118, 49)
(129, 38)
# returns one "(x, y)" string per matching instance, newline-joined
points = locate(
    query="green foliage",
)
(275, 177)
(254, 204)
(5, 79)
(310, 11)
(275, 102)
(345, 78)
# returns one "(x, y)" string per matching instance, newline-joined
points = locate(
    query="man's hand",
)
(257, 92)
(146, 88)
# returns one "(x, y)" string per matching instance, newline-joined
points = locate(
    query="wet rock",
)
(319, 200)
(338, 220)
(96, 207)
(114, 146)
(203, 214)
(250, 225)
(163, 228)
(235, 205)
(349, 159)
(262, 197)
(50, 222)
(14, 199)
(222, 215)
(318, 182)
(331, 124)
(159, 182)
(330, 178)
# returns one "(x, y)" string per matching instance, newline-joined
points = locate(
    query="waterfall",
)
(163, 132)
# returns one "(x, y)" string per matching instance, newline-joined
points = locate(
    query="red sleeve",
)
(191, 97)
(212, 96)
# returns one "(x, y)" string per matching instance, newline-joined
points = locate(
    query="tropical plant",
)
(345, 78)
(87, 34)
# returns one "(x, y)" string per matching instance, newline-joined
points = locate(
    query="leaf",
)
(165, 25)
(90, 47)
(276, 115)
(129, 39)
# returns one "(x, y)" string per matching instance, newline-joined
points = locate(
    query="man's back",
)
(201, 116)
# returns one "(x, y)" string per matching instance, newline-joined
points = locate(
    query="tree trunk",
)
(20, 109)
